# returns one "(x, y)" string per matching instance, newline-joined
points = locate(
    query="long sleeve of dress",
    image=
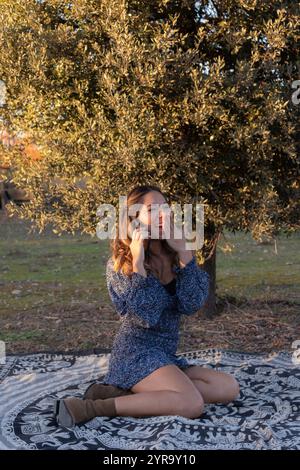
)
(137, 296)
(192, 287)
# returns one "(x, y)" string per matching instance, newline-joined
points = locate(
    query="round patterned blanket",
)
(265, 416)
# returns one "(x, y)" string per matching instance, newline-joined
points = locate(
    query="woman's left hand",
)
(178, 244)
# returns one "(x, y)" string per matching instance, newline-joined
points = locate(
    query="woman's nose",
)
(160, 218)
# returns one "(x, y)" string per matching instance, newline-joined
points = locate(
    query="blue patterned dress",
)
(150, 319)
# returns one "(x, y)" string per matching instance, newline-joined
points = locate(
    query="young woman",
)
(152, 282)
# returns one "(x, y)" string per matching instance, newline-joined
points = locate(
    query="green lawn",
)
(43, 268)
(37, 269)
(256, 272)
(53, 289)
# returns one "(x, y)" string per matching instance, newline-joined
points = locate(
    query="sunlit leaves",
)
(116, 93)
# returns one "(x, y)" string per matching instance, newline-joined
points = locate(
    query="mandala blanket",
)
(266, 414)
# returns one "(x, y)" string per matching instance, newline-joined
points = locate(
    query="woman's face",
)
(155, 226)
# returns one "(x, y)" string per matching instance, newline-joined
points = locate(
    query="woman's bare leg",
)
(214, 386)
(166, 391)
(164, 402)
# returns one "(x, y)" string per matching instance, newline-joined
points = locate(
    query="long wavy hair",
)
(120, 247)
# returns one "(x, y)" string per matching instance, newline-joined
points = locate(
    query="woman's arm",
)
(192, 286)
(140, 296)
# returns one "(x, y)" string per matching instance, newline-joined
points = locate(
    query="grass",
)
(24, 335)
(256, 271)
(42, 269)
(54, 294)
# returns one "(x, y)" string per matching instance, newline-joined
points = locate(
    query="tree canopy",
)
(193, 96)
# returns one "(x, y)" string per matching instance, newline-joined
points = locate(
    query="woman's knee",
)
(189, 405)
(231, 389)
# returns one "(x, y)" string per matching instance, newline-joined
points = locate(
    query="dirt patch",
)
(252, 328)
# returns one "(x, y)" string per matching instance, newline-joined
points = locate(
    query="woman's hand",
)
(179, 245)
(137, 250)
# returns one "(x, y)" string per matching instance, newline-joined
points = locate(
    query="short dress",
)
(150, 315)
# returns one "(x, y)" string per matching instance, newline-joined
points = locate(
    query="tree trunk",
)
(3, 198)
(209, 309)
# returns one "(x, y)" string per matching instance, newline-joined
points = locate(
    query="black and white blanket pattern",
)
(265, 416)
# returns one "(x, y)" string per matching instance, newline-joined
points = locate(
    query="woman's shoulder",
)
(116, 280)
(116, 274)
(133, 279)
(110, 267)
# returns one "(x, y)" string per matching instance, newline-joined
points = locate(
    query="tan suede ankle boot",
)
(96, 391)
(72, 410)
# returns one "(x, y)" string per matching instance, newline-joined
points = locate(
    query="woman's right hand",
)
(137, 247)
